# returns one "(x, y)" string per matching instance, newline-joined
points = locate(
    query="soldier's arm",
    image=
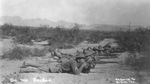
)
(76, 70)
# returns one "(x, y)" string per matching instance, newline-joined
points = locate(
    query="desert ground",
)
(107, 71)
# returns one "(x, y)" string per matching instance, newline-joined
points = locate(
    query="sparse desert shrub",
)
(23, 34)
(57, 35)
(17, 53)
(138, 61)
(130, 60)
(67, 46)
(39, 52)
(133, 41)
(136, 41)
(97, 36)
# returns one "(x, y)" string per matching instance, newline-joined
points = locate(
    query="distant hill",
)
(16, 20)
(110, 27)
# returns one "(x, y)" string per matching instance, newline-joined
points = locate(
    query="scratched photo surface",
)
(75, 41)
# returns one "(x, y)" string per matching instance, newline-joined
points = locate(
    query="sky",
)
(118, 12)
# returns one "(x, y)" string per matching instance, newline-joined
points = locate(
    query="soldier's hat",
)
(88, 52)
(80, 55)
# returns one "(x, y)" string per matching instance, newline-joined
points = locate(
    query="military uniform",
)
(65, 65)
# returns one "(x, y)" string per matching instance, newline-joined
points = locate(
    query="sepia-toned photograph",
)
(74, 41)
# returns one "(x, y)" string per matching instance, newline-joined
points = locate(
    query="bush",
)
(136, 41)
(97, 36)
(25, 34)
(38, 52)
(138, 61)
(133, 41)
(58, 36)
(17, 53)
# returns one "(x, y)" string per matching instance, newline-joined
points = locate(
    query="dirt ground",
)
(105, 72)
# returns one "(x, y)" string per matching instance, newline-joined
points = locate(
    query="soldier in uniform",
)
(65, 65)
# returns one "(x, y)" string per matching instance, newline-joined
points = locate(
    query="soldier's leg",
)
(29, 70)
(45, 60)
(34, 68)
(32, 64)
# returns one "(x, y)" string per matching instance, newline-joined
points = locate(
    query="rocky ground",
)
(105, 72)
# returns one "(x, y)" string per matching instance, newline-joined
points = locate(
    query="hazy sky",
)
(81, 11)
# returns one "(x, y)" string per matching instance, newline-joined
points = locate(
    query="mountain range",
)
(16, 20)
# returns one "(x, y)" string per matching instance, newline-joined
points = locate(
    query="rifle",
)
(91, 61)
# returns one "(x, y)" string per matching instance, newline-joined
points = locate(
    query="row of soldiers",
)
(80, 62)
(92, 51)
